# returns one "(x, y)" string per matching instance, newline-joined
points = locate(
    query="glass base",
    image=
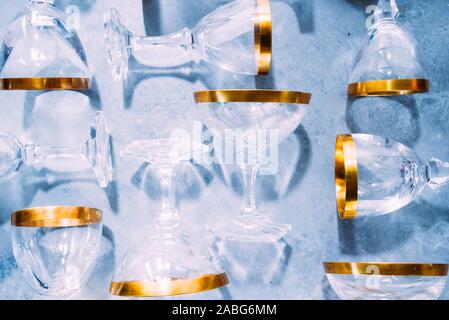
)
(117, 45)
(250, 228)
(99, 150)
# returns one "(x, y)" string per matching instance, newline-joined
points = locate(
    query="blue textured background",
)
(314, 51)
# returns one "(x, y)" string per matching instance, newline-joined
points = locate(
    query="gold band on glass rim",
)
(252, 95)
(387, 269)
(263, 37)
(56, 217)
(44, 83)
(169, 287)
(346, 180)
(384, 88)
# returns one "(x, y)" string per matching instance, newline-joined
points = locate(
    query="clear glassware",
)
(389, 62)
(56, 247)
(171, 262)
(386, 281)
(249, 115)
(235, 37)
(41, 51)
(375, 175)
(96, 150)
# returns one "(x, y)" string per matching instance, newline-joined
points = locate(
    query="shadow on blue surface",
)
(396, 118)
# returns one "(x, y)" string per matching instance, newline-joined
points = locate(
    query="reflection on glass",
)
(386, 281)
(169, 261)
(96, 151)
(56, 247)
(376, 175)
(235, 37)
(249, 115)
(389, 62)
(40, 51)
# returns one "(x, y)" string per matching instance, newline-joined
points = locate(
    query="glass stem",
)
(386, 9)
(164, 51)
(249, 172)
(437, 173)
(168, 217)
(35, 153)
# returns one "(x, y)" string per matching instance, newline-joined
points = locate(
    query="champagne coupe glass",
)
(376, 176)
(41, 51)
(235, 37)
(96, 151)
(389, 62)
(169, 261)
(56, 247)
(249, 114)
(386, 280)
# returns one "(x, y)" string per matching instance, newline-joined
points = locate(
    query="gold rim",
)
(346, 180)
(168, 288)
(263, 37)
(252, 95)
(44, 83)
(386, 269)
(56, 217)
(379, 88)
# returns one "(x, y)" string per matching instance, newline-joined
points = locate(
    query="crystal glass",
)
(235, 37)
(56, 247)
(171, 262)
(389, 62)
(386, 281)
(375, 175)
(40, 51)
(248, 115)
(96, 151)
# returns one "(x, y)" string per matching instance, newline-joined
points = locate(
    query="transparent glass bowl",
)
(168, 264)
(386, 281)
(40, 51)
(56, 247)
(376, 175)
(389, 62)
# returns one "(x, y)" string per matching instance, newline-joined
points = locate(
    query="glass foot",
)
(117, 42)
(99, 150)
(250, 228)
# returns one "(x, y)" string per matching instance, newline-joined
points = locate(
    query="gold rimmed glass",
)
(376, 175)
(56, 247)
(172, 261)
(236, 37)
(258, 121)
(390, 61)
(386, 280)
(41, 51)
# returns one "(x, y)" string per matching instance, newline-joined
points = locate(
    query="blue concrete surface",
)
(315, 43)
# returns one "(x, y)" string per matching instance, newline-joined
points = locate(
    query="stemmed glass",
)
(40, 51)
(235, 37)
(375, 175)
(386, 280)
(257, 120)
(389, 62)
(170, 262)
(96, 151)
(56, 247)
